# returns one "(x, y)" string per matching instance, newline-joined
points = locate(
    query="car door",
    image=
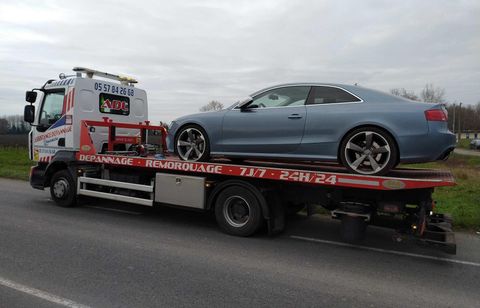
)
(330, 111)
(274, 123)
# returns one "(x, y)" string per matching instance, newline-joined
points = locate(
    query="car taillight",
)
(436, 115)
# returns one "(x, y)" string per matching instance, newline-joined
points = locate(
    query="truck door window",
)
(51, 109)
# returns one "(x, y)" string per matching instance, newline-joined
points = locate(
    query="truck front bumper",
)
(37, 177)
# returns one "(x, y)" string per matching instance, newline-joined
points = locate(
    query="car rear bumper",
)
(446, 154)
(437, 145)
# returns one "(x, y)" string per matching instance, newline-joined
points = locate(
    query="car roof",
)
(308, 84)
(365, 94)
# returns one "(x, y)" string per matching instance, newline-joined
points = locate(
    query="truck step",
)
(86, 190)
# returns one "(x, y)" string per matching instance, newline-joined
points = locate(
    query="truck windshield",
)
(52, 108)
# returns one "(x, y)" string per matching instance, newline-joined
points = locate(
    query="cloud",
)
(186, 53)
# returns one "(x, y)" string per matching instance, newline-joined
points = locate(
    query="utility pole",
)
(460, 122)
(453, 126)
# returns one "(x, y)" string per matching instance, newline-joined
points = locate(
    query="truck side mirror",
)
(31, 96)
(29, 113)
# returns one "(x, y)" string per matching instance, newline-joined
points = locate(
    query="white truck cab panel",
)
(64, 103)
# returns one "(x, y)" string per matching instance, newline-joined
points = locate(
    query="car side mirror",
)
(249, 107)
(245, 103)
(29, 113)
(31, 96)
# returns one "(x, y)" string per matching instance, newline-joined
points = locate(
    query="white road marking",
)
(40, 294)
(393, 252)
(113, 210)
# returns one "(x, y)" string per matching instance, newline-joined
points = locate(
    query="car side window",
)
(328, 95)
(282, 97)
(52, 108)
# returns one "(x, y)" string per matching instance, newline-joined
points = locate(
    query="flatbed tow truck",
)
(106, 158)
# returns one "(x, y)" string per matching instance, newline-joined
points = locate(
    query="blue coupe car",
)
(367, 131)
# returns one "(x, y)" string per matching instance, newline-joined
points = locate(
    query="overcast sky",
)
(187, 53)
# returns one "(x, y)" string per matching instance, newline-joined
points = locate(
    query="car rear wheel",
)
(192, 144)
(369, 151)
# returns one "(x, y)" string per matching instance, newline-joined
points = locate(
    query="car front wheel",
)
(192, 144)
(369, 151)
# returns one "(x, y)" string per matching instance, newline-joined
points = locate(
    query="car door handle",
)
(294, 116)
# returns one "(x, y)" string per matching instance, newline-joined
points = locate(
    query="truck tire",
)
(353, 229)
(62, 189)
(238, 212)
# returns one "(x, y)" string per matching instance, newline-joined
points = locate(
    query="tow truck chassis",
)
(402, 201)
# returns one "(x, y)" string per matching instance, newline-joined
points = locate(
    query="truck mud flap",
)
(439, 233)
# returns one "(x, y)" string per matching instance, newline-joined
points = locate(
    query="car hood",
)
(201, 115)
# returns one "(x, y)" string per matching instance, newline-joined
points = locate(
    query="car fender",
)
(368, 123)
(211, 122)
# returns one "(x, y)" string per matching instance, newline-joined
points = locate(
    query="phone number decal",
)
(105, 87)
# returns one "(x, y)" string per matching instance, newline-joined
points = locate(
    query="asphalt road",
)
(93, 256)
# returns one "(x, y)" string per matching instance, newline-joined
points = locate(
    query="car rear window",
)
(328, 95)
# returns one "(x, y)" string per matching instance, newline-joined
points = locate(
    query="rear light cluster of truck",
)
(440, 115)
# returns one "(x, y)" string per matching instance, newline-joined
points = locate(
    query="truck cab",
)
(62, 104)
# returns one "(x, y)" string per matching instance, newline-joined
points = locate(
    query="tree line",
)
(13, 125)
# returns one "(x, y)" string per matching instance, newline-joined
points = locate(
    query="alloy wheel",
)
(191, 144)
(367, 152)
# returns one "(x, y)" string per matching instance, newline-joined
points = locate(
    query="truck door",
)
(49, 135)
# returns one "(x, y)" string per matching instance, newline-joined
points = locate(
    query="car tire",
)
(368, 151)
(238, 211)
(192, 144)
(63, 189)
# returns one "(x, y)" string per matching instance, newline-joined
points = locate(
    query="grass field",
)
(464, 143)
(14, 162)
(462, 201)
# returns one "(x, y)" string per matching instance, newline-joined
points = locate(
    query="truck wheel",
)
(62, 189)
(238, 211)
(353, 229)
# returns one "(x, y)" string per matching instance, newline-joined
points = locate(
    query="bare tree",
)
(3, 126)
(404, 93)
(212, 106)
(430, 94)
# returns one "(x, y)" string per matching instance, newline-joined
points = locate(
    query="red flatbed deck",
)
(310, 173)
